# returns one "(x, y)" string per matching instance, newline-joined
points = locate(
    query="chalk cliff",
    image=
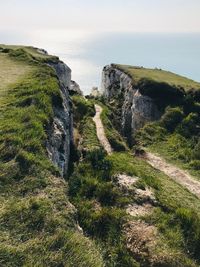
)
(136, 108)
(60, 134)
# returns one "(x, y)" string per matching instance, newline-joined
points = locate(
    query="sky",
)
(72, 29)
(101, 15)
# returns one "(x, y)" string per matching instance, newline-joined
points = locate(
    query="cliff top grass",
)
(30, 52)
(11, 71)
(158, 75)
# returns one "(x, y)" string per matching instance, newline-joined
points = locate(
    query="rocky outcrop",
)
(136, 109)
(75, 89)
(60, 133)
(95, 92)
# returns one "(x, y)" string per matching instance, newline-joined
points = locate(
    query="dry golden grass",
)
(11, 71)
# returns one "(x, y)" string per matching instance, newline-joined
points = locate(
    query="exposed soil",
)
(125, 181)
(180, 176)
(141, 238)
(136, 210)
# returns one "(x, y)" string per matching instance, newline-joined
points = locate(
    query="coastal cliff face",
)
(60, 134)
(136, 109)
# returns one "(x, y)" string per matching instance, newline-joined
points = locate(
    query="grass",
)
(115, 139)
(10, 72)
(158, 75)
(29, 50)
(38, 223)
(101, 205)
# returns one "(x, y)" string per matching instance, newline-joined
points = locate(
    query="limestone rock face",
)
(136, 109)
(75, 88)
(60, 133)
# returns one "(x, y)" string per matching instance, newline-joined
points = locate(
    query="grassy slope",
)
(38, 224)
(159, 76)
(101, 206)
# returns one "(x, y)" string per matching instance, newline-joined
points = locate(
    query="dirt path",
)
(100, 130)
(180, 176)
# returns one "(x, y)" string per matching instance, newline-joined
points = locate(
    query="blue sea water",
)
(87, 54)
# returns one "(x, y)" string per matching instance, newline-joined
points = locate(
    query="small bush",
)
(195, 164)
(171, 118)
(108, 223)
(81, 108)
(107, 194)
(189, 125)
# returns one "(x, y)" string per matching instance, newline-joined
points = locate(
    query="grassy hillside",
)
(160, 76)
(38, 224)
(102, 204)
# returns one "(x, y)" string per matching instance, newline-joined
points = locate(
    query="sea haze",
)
(87, 53)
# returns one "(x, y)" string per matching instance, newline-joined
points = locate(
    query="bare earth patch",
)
(140, 238)
(125, 181)
(146, 195)
(139, 210)
(180, 176)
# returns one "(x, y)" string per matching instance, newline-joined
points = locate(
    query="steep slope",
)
(38, 224)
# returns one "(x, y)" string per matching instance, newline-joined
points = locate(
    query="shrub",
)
(195, 164)
(171, 118)
(81, 108)
(107, 194)
(108, 222)
(196, 151)
(188, 126)
(160, 91)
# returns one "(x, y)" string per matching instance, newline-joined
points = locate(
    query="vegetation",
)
(38, 223)
(159, 76)
(101, 204)
(115, 139)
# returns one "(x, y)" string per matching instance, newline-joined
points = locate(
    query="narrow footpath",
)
(100, 130)
(180, 176)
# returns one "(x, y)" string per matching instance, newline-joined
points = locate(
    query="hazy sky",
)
(101, 15)
(88, 34)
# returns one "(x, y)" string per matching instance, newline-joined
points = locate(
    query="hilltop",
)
(159, 76)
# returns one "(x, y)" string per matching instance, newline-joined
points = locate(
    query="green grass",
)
(30, 51)
(115, 139)
(101, 205)
(138, 73)
(38, 223)
(90, 141)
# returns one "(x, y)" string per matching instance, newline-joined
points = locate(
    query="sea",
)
(87, 53)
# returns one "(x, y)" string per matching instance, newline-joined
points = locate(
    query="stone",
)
(75, 88)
